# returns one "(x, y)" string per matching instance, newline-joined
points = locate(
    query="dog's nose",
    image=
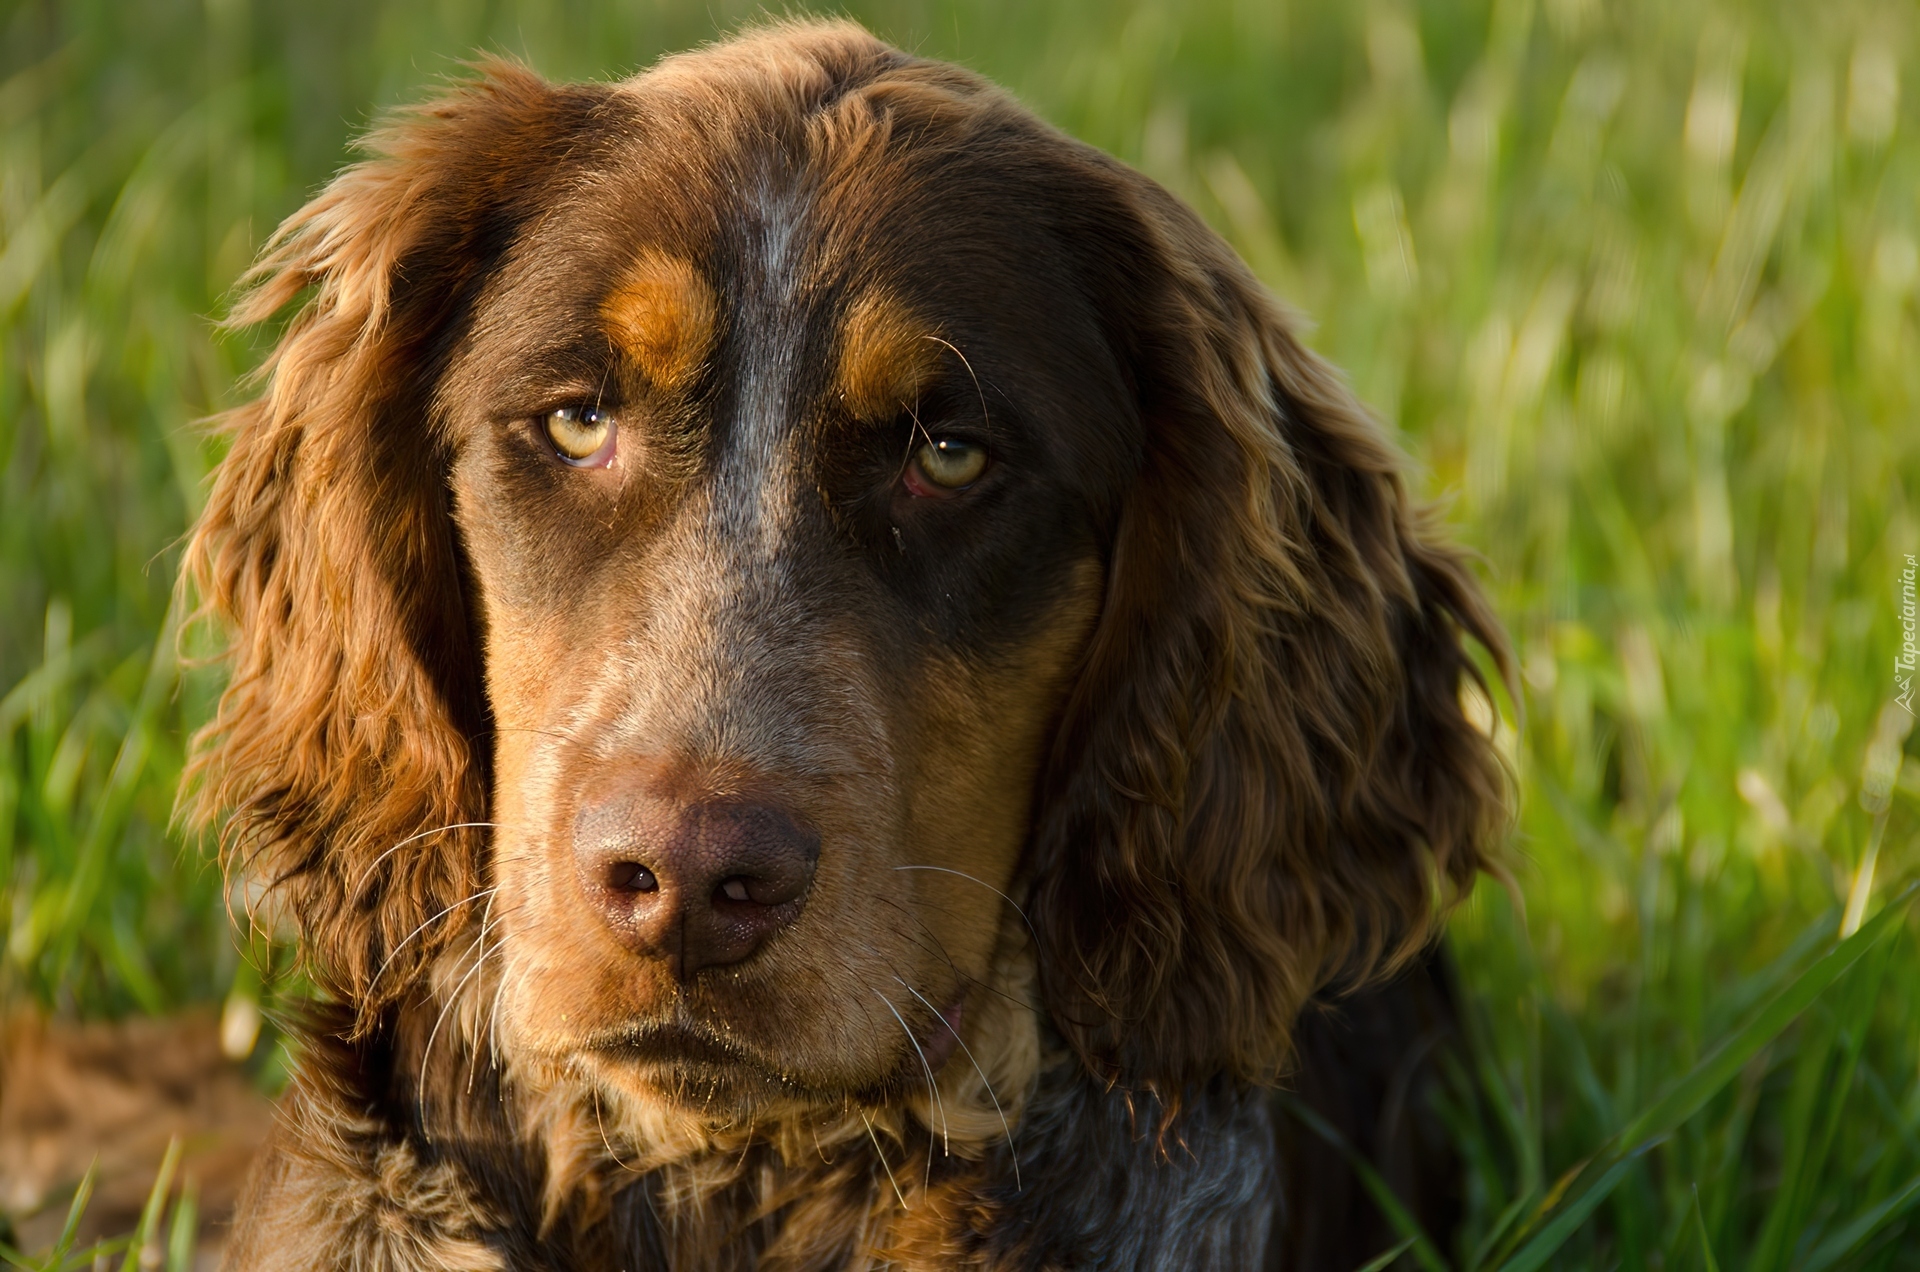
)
(691, 884)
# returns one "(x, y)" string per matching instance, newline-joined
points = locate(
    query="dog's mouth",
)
(675, 1044)
(690, 1058)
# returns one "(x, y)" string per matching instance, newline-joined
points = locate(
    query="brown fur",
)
(1115, 757)
(1270, 782)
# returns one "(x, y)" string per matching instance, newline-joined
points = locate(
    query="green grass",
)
(165, 1236)
(1635, 281)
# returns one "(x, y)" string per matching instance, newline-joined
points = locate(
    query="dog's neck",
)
(526, 1164)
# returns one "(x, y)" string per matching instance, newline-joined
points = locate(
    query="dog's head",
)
(753, 531)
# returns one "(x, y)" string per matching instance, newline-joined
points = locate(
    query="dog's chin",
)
(697, 1070)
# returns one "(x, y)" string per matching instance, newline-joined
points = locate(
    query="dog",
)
(823, 680)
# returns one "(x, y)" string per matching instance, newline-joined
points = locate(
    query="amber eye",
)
(580, 434)
(946, 464)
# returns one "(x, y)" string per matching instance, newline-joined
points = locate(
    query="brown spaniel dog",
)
(822, 678)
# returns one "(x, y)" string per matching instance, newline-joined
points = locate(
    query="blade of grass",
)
(184, 1232)
(1574, 1213)
(143, 1236)
(1585, 1186)
(1855, 1233)
(1740, 997)
(1810, 1066)
(1514, 1209)
(1700, 1226)
(81, 1196)
(1377, 1188)
(1822, 1086)
(1719, 1066)
(1384, 1261)
(90, 871)
(94, 1256)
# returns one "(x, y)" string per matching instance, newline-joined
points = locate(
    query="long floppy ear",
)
(346, 763)
(1264, 780)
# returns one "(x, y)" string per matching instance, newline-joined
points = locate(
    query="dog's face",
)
(784, 478)
(749, 531)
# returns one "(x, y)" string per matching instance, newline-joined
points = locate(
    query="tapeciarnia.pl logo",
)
(1903, 662)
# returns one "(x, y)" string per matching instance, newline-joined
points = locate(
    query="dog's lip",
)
(672, 1041)
(680, 1042)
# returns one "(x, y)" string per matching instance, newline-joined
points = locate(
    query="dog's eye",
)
(581, 435)
(943, 465)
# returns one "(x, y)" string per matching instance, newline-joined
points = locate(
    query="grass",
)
(1634, 281)
(164, 1237)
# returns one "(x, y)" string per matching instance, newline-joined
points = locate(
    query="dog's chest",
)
(1099, 1186)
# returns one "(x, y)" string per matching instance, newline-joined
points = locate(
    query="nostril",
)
(631, 876)
(771, 891)
(691, 884)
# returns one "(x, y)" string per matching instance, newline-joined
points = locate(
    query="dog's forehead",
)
(769, 277)
(737, 205)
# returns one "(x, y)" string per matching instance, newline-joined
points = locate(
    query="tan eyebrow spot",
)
(662, 313)
(887, 356)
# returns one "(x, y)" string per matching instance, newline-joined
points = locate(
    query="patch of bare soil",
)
(118, 1092)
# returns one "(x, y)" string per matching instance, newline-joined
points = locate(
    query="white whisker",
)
(437, 830)
(985, 1081)
(426, 1053)
(473, 1049)
(424, 923)
(990, 888)
(932, 1090)
(883, 1161)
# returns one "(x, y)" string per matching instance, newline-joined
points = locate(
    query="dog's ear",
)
(1264, 780)
(346, 762)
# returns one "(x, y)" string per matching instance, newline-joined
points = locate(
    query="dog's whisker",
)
(918, 429)
(1031, 931)
(746, 1141)
(492, 1028)
(423, 926)
(867, 1017)
(878, 1152)
(938, 950)
(473, 1048)
(599, 1121)
(932, 1089)
(493, 1023)
(426, 1053)
(556, 734)
(1005, 1126)
(504, 992)
(510, 982)
(437, 830)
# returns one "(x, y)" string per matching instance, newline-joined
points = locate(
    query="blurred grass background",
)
(1634, 280)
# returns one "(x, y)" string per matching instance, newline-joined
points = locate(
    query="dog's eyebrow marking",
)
(886, 357)
(662, 314)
